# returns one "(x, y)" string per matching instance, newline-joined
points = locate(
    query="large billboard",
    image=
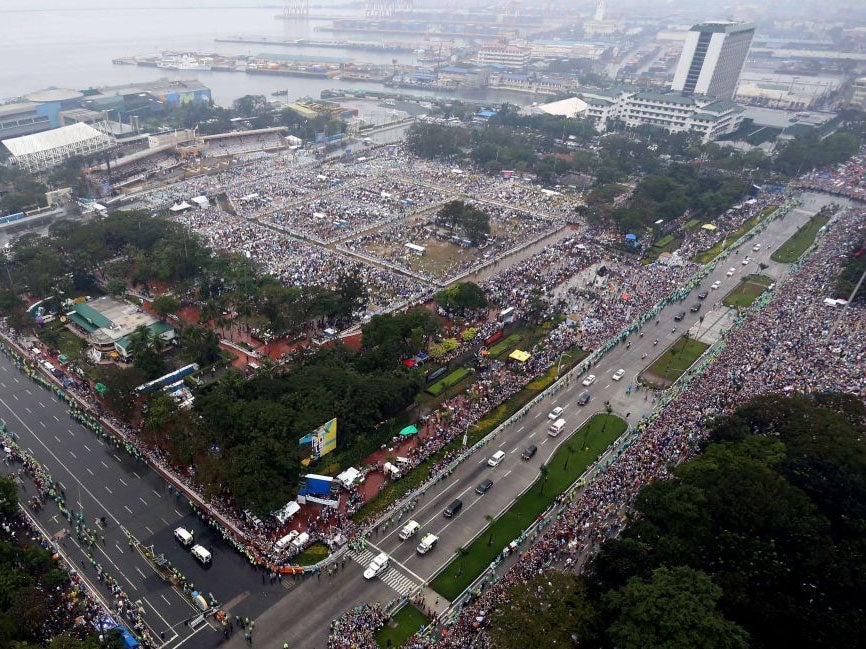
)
(320, 442)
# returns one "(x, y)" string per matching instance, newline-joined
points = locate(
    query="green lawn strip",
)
(504, 345)
(412, 480)
(794, 247)
(564, 468)
(313, 554)
(674, 361)
(402, 626)
(692, 224)
(747, 291)
(448, 381)
(710, 253)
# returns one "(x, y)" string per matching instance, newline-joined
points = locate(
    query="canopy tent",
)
(287, 512)
(180, 207)
(520, 355)
(409, 430)
(708, 226)
(348, 477)
(631, 237)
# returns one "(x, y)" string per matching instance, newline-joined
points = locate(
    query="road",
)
(107, 483)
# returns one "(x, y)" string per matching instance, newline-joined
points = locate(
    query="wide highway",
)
(103, 481)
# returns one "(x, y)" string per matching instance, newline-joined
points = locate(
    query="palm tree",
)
(545, 471)
(141, 340)
(489, 520)
(570, 449)
(461, 554)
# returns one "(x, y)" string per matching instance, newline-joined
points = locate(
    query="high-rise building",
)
(858, 98)
(713, 58)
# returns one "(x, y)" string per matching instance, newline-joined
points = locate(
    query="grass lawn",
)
(504, 345)
(747, 291)
(396, 490)
(313, 554)
(710, 253)
(564, 468)
(448, 381)
(401, 627)
(793, 248)
(666, 244)
(676, 360)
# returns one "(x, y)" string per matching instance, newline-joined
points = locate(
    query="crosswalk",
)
(392, 576)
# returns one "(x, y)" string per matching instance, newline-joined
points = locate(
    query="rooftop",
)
(722, 27)
(53, 94)
(53, 139)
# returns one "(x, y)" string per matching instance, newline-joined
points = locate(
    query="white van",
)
(410, 529)
(496, 458)
(201, 554)
(556, 427)
(185, 537)
(283, 543)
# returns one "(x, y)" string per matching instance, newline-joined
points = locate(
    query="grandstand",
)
(47, 149)
(243, 142)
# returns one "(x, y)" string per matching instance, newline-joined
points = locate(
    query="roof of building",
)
(18, 107)
(47, 140)
(720, 106)
(453, 69)
(53, 94)
(722, 27)
(93, 317)
(566, 107)
(668, 98)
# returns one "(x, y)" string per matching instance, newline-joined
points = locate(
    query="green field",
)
(313, 554)
(747, 291)
(401, 627)
(449, 380)
(504, 345)
(676, 360)
(793, 248)
(566, 465)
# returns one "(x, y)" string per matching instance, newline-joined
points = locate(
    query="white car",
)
(756, 247)
(731, 272)
(377, 566)
(746, 261)
(554, 414)
(427, 543)
(715, 285)
(589, 380)
(618, 374)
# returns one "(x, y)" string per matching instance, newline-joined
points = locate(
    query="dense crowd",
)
(846, 179)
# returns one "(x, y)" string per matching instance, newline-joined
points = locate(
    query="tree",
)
(676, 608)
(428, 140)
(8, 497)
(570, 448)
(461, 555)
(115, 287)
(164, 305)
(489, 519)
(544, 472)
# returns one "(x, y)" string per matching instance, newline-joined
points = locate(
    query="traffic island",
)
(747, 291)
(569, 462)
(402, 626)
(676, 359)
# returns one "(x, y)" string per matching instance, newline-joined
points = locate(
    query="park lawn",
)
(504, 345)
(313, 554)
(747, 291)
(796, 245)
(396, 490)
(448, 381)
(402, 626)
(563, 469)
(666, 244)
(676, 360)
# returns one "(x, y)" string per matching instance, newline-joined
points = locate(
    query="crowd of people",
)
(846, 179)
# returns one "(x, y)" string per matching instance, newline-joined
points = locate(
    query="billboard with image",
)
(320, 442)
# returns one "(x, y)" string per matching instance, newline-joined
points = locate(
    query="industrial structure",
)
(712, 60)
(47, 149)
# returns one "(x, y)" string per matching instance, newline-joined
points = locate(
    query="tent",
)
(348, 477)
(520, 355)
(409, 430)
(631, 237)
(708, 226)
(180, 207)
(287, 512)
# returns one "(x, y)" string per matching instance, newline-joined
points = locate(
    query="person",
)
(643, 356)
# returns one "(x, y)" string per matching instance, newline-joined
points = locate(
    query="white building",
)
(47, 149)
(858, 99)
(712, 60)
(509, 56)
(706, 117)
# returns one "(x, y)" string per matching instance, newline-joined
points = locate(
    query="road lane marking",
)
(87, 447)
(116, 458)
(149, 531)
(89, 471)
(42, 423)
(501, 444)
(156, 493)
(123, 482)
(70, 432)
(107, 489)
(15, 396)
(136, 475)
(102, 462)
(57, 438)
(143, 500)
(27, 390)
(119, 549)
(512, 450)
(532, 435)
(42, 404)
(176, 512)
(127, 509)
(55, 418)
(73, 454)
(521, 428)
(28, 410)
(164, 599)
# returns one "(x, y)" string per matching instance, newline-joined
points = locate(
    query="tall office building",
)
(713, 58)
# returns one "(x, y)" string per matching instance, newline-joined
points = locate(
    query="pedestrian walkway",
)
(391, 577)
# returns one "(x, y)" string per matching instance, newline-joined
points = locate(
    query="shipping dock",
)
(303, 42)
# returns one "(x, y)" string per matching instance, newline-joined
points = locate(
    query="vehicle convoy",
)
(202, 554)
(583, 399)
(589, 380)
(618, 374)
(377, 566)
(453, 508)
(496, 458)
(184, 536)
(410, 529)
(428, 542)
(484, 486)
(529, 452)
(556, 427)
(554, 414)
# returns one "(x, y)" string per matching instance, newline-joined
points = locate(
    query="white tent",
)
(287, 512)
(348, 477)
(180, 207)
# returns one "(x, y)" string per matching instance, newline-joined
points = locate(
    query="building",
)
(560, 49)
(571, 107)
(39, 111)
(106, 324)
(712, 60)
(707, 117)
(509, 56)
(858, 99)
(47, 149)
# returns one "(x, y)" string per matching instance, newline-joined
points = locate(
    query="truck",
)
(428, 542)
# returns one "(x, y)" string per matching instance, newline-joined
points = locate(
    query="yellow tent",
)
(708, 226)
(520, 355)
